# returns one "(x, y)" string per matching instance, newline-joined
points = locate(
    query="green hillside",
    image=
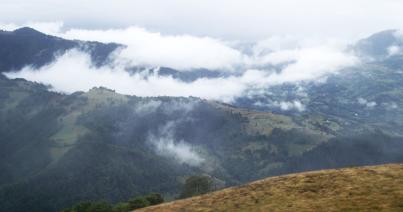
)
(57, 149)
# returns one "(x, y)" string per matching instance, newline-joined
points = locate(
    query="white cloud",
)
(308, 57)
(147, 107)
(145, 48)
(284, 105)
(181, 151)
(289, 105)
(312, 63)
(391, 105)
(294, 105)
(247, 74)
(276, 43)
(394, 50)
(154, 49)
(369, 104)
(276, 57)
(165, 145)
(73, 72)
(76, 67)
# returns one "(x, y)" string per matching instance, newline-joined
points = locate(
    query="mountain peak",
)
(27, 31)
(383, 36)
(101, 89)
(377, 45)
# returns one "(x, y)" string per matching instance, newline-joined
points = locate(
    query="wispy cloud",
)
(166, 145)
(292, 105)
(369, 104)
(295, 105)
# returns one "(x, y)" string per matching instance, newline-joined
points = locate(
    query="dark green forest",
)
(58, 150)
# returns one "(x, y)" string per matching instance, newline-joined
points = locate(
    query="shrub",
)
(154, 198)
(138, 202)
(196, 185)
(90, 207)
(122, 207)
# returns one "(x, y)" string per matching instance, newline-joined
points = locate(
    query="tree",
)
(122, 207)
(100, 207)
(196, 185)
(90, 207)
(138, 202)
(154, 198)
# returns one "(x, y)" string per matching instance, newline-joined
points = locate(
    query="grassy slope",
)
(371, 188)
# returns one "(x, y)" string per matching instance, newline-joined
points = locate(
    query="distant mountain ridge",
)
(26, 46)
(376, 45)
(29, 47)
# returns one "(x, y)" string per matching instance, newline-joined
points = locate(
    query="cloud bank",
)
(186, 52)
(145, 48)
(75, 66)
(248, 71)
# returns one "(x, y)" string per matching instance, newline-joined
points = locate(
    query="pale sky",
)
(246, 20)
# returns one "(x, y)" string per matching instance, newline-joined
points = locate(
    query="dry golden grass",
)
(372, 188)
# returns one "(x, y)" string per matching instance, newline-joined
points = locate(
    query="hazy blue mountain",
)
(376, 46)
(27, 46)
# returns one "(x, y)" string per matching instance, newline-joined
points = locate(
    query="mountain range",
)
(57, 149)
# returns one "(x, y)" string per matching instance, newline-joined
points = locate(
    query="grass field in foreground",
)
(370, 188)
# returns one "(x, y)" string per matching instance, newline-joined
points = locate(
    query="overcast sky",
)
(245, 20)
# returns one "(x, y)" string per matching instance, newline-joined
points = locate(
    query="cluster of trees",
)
(132, 204)
(196, 185)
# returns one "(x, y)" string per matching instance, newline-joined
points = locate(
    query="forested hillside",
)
(60, 149)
